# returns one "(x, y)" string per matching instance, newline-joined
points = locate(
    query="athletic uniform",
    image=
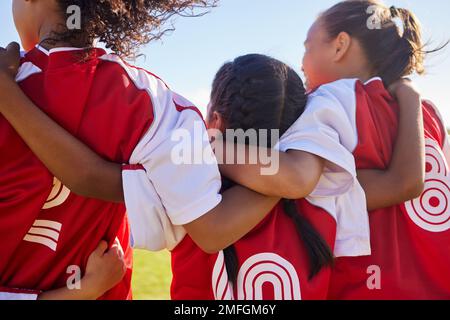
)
(273, 262)
(410, 242)
(24, 186)
(117, 110)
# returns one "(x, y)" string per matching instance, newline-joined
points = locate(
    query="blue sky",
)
(188, 58)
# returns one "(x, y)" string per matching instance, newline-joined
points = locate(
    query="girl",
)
(410, 241)
(288, 256)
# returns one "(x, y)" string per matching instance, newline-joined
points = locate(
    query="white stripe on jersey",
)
(41, 240)
(48, 224)
(44, 232)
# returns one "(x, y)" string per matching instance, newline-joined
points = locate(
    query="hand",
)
(10, 60)
(403, 87)
(105, 269)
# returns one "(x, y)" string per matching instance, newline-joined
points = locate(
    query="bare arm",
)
(297, 175)
(240, 211)
(404, 179)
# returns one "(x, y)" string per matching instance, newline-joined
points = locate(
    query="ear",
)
(216, 121)
(342, 45)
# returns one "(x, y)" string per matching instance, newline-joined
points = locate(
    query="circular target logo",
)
(431, 211)
(57, 196)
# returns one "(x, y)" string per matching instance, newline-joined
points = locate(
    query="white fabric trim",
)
(18, 296)
(60, 49)
(26, 70)
(372, 80)
(150, 227)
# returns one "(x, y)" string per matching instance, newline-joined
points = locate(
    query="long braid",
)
(319, 252)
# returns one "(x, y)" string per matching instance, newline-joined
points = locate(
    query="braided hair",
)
(259, 92)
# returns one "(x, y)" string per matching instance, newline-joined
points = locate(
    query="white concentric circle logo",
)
(58, 195)
(431, 211)
(256, 272)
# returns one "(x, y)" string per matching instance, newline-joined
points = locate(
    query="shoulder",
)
(141, 78)
(335, 97)
(164, 99)
(338, 89)
(333, 101)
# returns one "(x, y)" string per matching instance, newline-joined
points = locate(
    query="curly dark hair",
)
(124, 25)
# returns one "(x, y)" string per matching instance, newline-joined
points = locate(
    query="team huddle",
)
(358, 208)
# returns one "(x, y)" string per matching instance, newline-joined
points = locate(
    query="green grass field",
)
(152, 275)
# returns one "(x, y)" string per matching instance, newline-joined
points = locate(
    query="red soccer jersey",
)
(272, 260)
(410, 242)
(273, 263)
(96, 100)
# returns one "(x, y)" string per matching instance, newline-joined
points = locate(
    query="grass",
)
(152, 275)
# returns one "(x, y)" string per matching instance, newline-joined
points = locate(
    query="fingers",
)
(101, 249)
(13, 48)
(117, 256)
(400, 85)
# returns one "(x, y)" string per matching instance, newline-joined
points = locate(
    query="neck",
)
(47, 36)
(360, 73)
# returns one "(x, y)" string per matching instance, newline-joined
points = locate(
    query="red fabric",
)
(24, 186)
(97, 102)
(193, 269)
(19, 291)
(413, 262)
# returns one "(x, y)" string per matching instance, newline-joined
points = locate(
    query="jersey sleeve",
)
(18, 294)
(179, 179)
(328, 129)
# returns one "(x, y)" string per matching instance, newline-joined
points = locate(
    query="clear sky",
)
(188, 58)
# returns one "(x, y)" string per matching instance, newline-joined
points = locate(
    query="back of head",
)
(258, 92)
(391, 37)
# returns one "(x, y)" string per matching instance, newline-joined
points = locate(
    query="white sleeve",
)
(179, 181)
(188, 187)
(328, 129)
(151, 228)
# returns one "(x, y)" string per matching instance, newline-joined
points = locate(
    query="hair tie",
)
(394, 11)
(398, 21)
